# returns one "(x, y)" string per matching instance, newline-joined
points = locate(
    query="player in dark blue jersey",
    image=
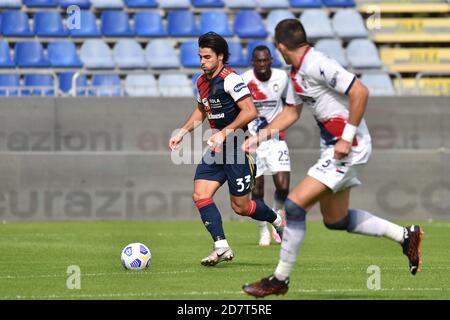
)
(225, 100)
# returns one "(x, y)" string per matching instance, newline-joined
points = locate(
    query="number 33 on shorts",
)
(244, 183)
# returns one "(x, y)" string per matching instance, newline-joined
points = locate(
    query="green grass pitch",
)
(332, 265)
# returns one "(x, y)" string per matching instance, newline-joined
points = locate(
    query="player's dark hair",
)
(291, 33)
(216, 43)
(261, 48)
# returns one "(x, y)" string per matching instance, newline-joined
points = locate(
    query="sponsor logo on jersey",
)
(239, 87)
(333, 80)
(215, 103)
(216, 116)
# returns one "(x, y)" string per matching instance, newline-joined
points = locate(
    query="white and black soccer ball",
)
(136, 256)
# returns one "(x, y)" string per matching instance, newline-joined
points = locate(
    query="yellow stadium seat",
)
(403, 7)
(423, 86)
(416, 59)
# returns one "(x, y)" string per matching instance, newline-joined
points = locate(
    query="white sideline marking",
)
(206, 293)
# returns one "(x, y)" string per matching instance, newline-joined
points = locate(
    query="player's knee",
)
(197, 196)
(294, 212)
(239, 208)
(342, 224)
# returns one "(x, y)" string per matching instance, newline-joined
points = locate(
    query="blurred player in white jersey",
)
(338, 101)
(268, 87)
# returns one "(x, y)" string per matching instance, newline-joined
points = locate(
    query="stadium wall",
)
(106, 158)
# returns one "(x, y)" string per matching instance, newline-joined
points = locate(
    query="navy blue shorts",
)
(239, 174)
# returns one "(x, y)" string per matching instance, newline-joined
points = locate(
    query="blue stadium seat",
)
(128, 54)
(348, 23)
(216, 21)
(107, 4)
(362, 53)
(175, 85)
(5, 55)
(379, 84)
(149, 24)
(175, 4)
(252, 45)
(116, 23)
(160, 54)
(276, 16)
(65, 83)
(9, 84)
(181, 23)
(141, 3)
(273, 4)
(96, 54)
(41, 3)
(141, 85)
(306, 3)
(106, 85)
(239, 4)
(38, 85)
(10, 3)
(88, 26)
(316, 24)
(49, 24)
(83, 4)
(249, 24)
(189, 54)
(237, 58)
(338, 3)
(207, 3)
(333, 48)
(30, 54)
(63, 54)
(15, 24)
(194, 82)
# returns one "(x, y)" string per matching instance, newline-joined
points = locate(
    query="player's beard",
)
(263, 76)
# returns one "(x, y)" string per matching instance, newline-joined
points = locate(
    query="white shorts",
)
(272, 156)
(337, 175)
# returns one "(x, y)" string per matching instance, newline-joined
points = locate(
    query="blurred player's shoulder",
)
(226, 71)
(248, 75)
(279, 74)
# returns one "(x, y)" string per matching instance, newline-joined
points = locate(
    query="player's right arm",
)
(196, 118)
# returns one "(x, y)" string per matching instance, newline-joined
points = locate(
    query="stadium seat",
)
(65, 83)
(116, 23)
(348, 23)
(333, 48)
(63, 54)
(141, 3)
(216, 21)
(41, 3)
(30, 54)
(106, 85)
(273, 4)
(160, 54)
(9, 84)
(249, 24)
(252, 45)
(83, 4)
(208, 3)
(181, 23)
(149, 24)
(237, 58)
(416, 59)
(305, 3)
(175, 4)
(362, 53)
(10, 3)
(96, 54)
(379, 84)
(88, 26)
(15, 24)
(107, 4)
(5, 55)
(276, 16)
(239, 4)
(128, 54)
(189, 54)
(49, 24)
(175, 85)
(316, 24)
(338, 3)
(141, 85)
(38, 85)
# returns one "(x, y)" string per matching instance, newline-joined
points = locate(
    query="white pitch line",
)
(207, 293)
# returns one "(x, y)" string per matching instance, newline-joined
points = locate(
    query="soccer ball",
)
(136, 256)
